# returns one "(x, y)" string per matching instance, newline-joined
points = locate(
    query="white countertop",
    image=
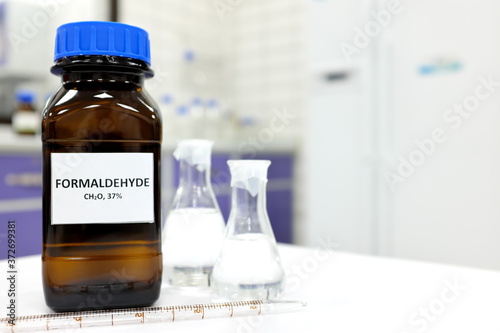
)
(345, 293)
(11, 142)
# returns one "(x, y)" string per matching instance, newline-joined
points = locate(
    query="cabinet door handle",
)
(27, 179)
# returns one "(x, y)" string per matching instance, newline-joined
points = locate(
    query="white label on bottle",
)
(102, 188)
(25, 121)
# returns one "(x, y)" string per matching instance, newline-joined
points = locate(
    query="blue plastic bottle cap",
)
(212, 103)
(102, 38)
(196, 101)
(25, 96)
(182, 110)
(166, 99)
(188, 55)
(247, 121)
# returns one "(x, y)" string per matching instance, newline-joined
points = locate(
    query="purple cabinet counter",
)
(21, 202)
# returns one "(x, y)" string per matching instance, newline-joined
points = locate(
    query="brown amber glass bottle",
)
(101, 136)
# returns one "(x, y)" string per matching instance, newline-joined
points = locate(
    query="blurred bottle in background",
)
(197, 118)
(247, 126)
(227, 124)
(25, 119)
(212, 125)
(168, 115)
(182, 127)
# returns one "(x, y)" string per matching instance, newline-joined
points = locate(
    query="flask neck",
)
(248, 212)
(194, 175)
(194, 189)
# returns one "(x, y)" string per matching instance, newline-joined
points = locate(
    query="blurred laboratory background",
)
(381, 117)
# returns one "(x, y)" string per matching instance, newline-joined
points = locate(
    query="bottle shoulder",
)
(124, 114)
(65, 101)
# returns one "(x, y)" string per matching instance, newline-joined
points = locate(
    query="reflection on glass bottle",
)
(249, 266)
(194, 228)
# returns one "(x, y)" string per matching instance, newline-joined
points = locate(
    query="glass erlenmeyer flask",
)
(249, 266)
(194, 229)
